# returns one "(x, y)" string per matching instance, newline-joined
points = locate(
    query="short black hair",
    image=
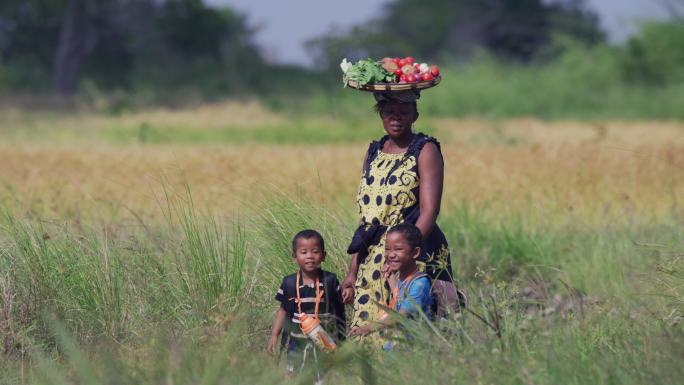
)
(307, 234)
(410, 232)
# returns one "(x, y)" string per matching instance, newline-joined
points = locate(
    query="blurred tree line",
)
(123, 43)
(174, 46)
(527, 32)
(517, 30)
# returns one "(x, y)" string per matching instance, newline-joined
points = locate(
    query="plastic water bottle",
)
(313, 329)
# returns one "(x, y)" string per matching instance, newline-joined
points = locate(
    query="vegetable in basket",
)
(388, 70)
(364, 72)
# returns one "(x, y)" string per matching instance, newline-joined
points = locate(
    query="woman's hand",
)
(349, 282)
(272, 343)
(347, 287)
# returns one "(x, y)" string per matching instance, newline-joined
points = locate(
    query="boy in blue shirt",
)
(411, 288)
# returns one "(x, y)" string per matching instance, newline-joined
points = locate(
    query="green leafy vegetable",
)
(364, 72)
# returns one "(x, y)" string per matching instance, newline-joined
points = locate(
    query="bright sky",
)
(284, 25)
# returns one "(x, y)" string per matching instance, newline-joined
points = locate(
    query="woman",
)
(403, 174)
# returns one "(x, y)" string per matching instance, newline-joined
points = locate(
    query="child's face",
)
(399, 254)
(309, 254)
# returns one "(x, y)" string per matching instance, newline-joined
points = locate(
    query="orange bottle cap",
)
(308, 323)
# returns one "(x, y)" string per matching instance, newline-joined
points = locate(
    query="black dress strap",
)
(372, 153)
(414, 149)
(420, 141)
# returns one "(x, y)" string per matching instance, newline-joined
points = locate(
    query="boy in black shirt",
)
(319, 297)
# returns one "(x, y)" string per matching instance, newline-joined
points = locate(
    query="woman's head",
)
(397, 117)
(398, 111)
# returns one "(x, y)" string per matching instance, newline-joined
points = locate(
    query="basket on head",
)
(391, 87)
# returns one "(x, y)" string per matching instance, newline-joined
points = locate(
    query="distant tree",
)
(194, 38)
(656, 54)
(120, 43)
(28, 31)
(77, 39)
(512, 29)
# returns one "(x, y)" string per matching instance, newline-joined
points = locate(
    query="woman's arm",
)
(350, 280)
(431, 171)
(277, 328)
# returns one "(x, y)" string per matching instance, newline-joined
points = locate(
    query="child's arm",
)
(277, 328)
(366, 330)
(378, 325)
(417, 295)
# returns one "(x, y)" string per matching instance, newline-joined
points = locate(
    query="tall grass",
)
(211, 258)
(190, 301)
(78, 277)
(278, 218)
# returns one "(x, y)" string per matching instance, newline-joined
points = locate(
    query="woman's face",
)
(397, 118)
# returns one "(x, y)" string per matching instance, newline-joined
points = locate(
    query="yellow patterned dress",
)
(388, 195)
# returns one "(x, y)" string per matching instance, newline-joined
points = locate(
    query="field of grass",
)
(146, 248)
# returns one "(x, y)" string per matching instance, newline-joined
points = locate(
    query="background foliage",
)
(129, 54)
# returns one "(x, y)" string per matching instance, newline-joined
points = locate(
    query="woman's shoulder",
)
(422, 140)
(375, 145)
(417, 144)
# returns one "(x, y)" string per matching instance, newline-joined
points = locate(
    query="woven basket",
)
(391, 87)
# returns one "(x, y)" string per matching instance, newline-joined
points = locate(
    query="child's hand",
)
(393, 280)
(392, 277)
(347, 295)
(361, 331)
(272, 343)
(385, 270)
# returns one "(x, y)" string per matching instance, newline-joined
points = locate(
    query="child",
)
(318, 296)
(411, 290)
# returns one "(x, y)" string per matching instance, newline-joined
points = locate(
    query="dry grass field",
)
(567, 236)
(590, 170)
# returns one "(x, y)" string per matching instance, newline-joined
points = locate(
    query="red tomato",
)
(398, 72)
(396, 60)
(409, 60)
(402, 78)
(427, 77)
(434, 70)
(401, 63)
(410, 78)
